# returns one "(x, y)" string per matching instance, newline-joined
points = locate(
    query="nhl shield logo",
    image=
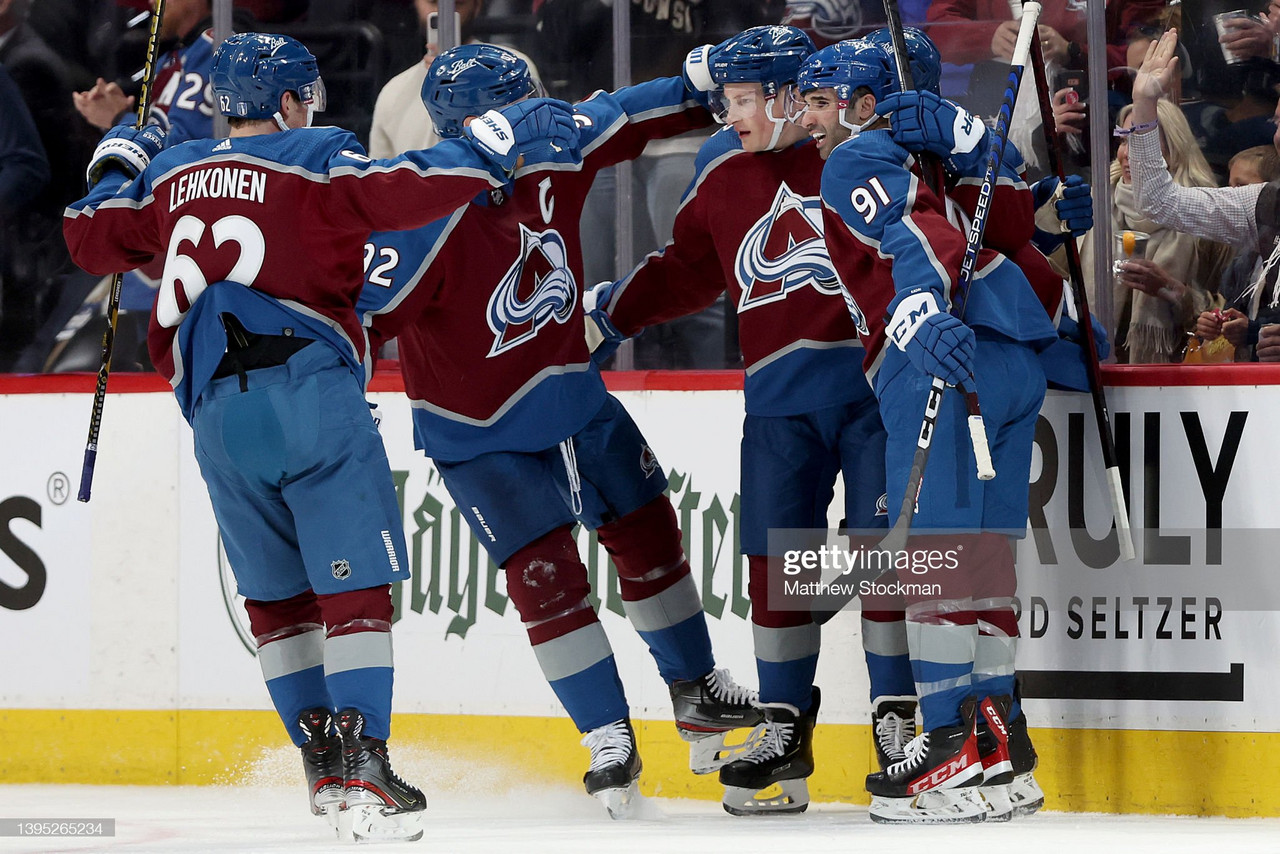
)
(341, 569)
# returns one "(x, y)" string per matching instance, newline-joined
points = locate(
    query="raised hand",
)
(919, 120)
(1158, 71)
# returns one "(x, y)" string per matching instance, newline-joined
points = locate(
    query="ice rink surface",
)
(479, 809)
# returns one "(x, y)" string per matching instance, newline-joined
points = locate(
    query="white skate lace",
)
(773, 743)
(913, 755)
(892, 732)
(724, 689)
(609, 744)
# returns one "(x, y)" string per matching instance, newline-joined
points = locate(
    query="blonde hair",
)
(1181, 153)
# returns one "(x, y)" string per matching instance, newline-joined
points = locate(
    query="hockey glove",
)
(1072, 202)
(1070, 329)
(125, 149)
(934, 341)
(699, 73)
(504, 135)
(603, 338)
(922, 121)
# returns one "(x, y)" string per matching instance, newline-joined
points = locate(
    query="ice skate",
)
(772, 778)
(707, 711)
(937, 781)
(322, 761)
(614, 774)
(893, 724)
(1025, 794)
(997, 768)
(384, 807)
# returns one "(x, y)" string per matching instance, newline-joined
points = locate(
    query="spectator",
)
(24, 169)
(1246, 217)
(400, 121)
(31, 275)
(1158, 297)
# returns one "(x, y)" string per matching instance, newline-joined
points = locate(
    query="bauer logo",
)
(537, 289)
(783, 251)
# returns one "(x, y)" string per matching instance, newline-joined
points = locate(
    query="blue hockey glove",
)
(1068, 328)
(1073, 202)
(603, 338)
(125, 149)
(503, 135)
(919, 120)
(936, 342)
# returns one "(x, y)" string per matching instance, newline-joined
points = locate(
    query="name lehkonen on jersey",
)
(226, 182)
(848, 588)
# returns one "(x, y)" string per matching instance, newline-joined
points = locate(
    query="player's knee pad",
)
(367, 610)
(762, 614)
(645, 543)
(283, 618)
(547, 579)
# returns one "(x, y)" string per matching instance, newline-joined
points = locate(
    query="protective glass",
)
(736, 106)
(313, 96)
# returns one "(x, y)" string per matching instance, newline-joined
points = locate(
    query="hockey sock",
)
(884, 644)
(786, 643)
(658, 593)
(942, 635)
(994, 584)
(357, 654)
(547, 583)
(290, 638)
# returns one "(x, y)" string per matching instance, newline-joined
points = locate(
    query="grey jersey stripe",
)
(671, 607)
(292, 655)
(353, 652)
(573, 653)
(789, 644)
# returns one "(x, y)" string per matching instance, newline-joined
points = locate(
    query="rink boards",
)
(1151, 686)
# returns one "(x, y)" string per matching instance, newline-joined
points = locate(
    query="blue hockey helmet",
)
(848, 66)
(470, 80)
(251, 71)
(922, 54)
(770, 56)
(833, 20)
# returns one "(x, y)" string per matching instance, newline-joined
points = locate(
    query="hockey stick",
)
(931, 167)
(897, 538)
(1102, 415)
(113, 302)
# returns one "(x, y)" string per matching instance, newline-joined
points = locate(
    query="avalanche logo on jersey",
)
(537, 289)
(784, 251)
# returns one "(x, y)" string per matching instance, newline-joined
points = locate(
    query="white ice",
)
(489, 809)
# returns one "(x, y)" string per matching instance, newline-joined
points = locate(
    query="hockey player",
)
(508, 404)
(256, 330)
(751, 223)
(897, 246)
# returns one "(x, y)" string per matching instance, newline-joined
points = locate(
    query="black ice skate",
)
(384, 806)
(1025, 793)
(322, 761)
(937, 781)
(783, 756)
(893, 724)
(707, 710)
(613, 775)
(997, 767)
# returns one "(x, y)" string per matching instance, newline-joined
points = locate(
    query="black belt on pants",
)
(249, 351)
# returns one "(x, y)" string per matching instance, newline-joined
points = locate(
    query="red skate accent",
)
(959, 770)
(997, 761)
(370, 787)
